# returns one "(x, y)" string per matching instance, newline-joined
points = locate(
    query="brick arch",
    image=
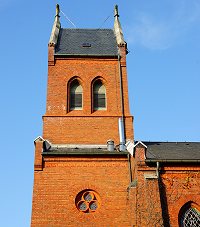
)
(185, 207)
(175, 210)
(75, 78)
(186, 200)
(104, 81)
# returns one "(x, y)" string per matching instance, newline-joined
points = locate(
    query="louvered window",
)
(76, 93)
(99, 95)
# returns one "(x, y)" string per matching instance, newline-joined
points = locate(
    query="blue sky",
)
(163, 71)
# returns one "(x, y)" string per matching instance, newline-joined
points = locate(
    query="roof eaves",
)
(81, 152)
(173, 160)
(87, 55)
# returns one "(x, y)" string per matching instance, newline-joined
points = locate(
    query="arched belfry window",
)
(99, 95)
(75, 95)
(189, 216)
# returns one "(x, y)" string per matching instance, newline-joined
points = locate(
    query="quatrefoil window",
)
(87, 201)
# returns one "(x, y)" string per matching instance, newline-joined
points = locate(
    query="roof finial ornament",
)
(116, 11)
(118, 29)
(56, 28)
(57, 10)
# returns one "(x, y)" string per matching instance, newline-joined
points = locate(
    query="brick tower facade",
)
(86, 58)
(88, 170)
(81, 169)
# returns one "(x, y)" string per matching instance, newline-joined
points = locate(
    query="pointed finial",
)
(56, 28)
(57, 10)
(116, 11)
(118, 29)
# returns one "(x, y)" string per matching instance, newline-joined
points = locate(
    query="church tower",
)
(82, 167)
(87, 85)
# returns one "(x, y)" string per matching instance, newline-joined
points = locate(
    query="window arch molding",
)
(99, 94)
(75, 94)
(189, 215)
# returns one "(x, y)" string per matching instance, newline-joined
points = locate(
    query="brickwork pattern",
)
(180, 185)
(84, 130)
(57, 186)
(159, 201)
(148, 204)
(99, 126)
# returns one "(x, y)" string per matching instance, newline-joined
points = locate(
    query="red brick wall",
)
(148, 208)
(58, 180)
(38, 162)
(84, 130)
(160, 200)
(97, 129)
(180, 185)
(148, 204)
(62, 178)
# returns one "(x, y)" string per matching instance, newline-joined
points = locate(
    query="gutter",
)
(121, 120)
(172, 160)
(130, 168)
(157, 169)
(88, 153)
(86, 55)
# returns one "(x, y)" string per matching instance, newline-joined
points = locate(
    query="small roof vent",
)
(86, 44)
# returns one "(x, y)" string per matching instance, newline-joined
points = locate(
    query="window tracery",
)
(190, 217)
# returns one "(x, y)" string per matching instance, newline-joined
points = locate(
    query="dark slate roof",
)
(173, 151)
(71, 41)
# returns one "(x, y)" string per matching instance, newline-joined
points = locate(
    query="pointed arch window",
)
(76, 95)
(190, 217)
(99, 95)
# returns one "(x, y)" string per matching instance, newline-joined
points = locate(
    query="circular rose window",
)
(87, 201)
